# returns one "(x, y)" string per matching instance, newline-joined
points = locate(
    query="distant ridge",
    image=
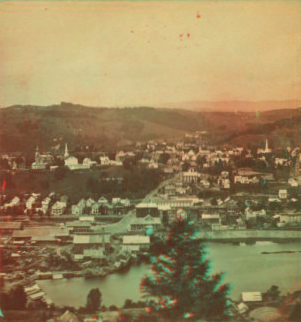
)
(103, 129)
(235, 106)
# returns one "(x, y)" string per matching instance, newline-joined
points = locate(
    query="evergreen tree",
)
(180, 286)
(93, 300)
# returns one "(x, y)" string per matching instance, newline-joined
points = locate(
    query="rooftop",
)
(91, 239)
(136, 239)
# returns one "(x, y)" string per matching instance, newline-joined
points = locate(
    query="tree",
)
(17, 298)
(180, 285)
(273, 293)
(164, 157)
(93, 300)
(185, 166)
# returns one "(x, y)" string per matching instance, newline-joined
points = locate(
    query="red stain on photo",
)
(188, 35)
(3, 185)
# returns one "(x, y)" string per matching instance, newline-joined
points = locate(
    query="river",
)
(245, 267)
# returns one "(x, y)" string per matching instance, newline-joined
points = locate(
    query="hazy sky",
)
(149, 53)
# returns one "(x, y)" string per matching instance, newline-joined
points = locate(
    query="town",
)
(235, 195)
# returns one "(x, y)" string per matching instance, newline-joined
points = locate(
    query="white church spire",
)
(66, 154)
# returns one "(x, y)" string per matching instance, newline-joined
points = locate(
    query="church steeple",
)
(37, 154)
(266, 145)
(66, 154)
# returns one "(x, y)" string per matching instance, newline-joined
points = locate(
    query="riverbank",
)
(255, 235)
(244, 266)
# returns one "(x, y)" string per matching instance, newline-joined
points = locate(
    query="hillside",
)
(232, 106)
(24, 127)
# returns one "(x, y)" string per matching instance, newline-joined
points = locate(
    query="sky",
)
(148, 53)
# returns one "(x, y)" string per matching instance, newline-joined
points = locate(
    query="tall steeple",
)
(37, 154)
(66, 154)
(266, 145)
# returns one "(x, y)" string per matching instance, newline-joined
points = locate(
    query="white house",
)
(282, 194)
(78, 209)
(13, 203)
(31, 200)
(58, 208)
(45, 204)
(190, 176)
(71, 162)
(104, 160)
(102, 200)
(95, 208)
(90, 202)
(88, 162)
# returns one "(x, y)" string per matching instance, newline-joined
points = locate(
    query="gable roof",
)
(103, 199)
(68, 317)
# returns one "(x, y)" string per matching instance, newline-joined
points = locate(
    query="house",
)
(31, 200)
(42, 160)
(120, 156)
(290, 217)
(115, 200)
(170, 189)
(205, 184)
(75, 227)
(210, 219)
(251, 216)
(144, 209)
(79, 208)
(58, 208)
(41, 234)
(125, 202)
(66, 317)
(248, 297)
(225, 174)
(135, 243)
(179, 202)
(226, 183)
(88, 163)
(142, 224)
(90, 202)
(280, 161)
(71, 162)
(190, 176)
(13, 203)
(91, 246)
(102, 200)
(292, 182)
(104, 160)
(119, 208)
(45, 204)
(282, 194)
(95, 209)
(88, 218)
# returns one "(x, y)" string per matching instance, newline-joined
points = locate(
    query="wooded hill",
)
(103, 129)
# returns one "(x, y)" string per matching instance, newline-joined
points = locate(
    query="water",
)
(244, 267)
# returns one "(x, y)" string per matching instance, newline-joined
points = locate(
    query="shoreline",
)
(279, 236)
